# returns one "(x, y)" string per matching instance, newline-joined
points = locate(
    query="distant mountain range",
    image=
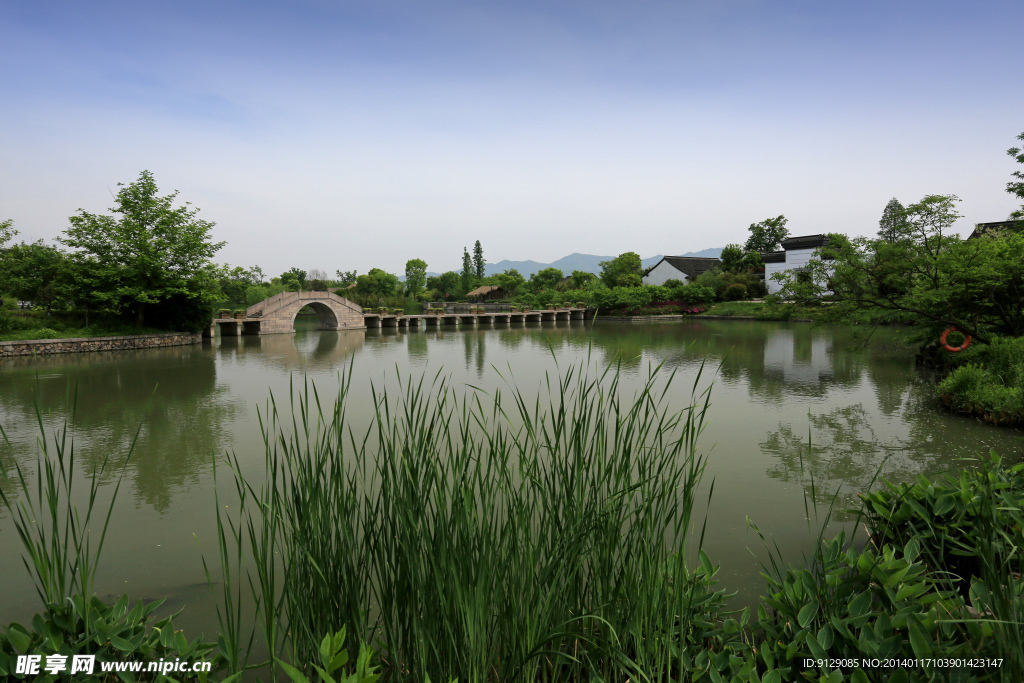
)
(588, 263)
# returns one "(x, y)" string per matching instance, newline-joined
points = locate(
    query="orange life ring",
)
(954, 349)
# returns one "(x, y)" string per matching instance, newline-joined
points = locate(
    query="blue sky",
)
(351, 135)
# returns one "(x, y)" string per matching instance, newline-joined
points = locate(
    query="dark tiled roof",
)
(692, 265)
(805, 242)
(773, 256)
(995, 229)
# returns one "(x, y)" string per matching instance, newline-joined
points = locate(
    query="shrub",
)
(735, 292)
(47, 333)
(632, 298)
(660, 293)
(693, 294)
(179, 313)
(12, 323)
(989, 381)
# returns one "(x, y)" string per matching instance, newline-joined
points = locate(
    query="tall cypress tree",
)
(467, 270)
(892, 225)
(478, 260)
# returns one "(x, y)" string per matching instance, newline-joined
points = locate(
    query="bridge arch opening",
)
(325, 315)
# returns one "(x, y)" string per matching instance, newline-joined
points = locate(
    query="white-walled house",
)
(682, 268)
(795, 255)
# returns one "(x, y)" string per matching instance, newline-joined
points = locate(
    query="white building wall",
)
(769, 270)
(662, 272)
(798, 258)
(795, 258)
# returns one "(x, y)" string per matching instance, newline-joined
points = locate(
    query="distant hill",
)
(713, 252)
(588, 263)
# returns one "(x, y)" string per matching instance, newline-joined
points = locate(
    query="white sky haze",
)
(351, 135)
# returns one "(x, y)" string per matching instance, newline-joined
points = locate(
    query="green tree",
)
(446, 283)
(346, 277)
(1014, 187)
(291, 281)
(736, 260)
(235, 281)
(545, 279)
(580, 278)
(468, 274)
(295, 275)
(415, 276)
(510, 281)
(930, 276)
(893, 224)
(147, 252)
(7, 232)
(478, 260)
(378, 283)
(34, 272)
(619, 271)
(767, 235)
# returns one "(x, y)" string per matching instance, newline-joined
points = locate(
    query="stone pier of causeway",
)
(276, 315)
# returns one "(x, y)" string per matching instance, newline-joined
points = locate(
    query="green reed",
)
(475, 535)
(61, 551)
(60, 546)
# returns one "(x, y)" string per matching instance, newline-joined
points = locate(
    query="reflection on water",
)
(791, 404)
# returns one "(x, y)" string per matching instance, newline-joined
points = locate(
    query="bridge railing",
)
(282, 299)
(270, 305)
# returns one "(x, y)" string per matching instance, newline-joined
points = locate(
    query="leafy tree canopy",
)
(445, 283)
(893, 224)
(147, 251)
(619, 271)
(580, 278)
(291, 281)
(767, 235)
(415, 276)
(34, 272)
(930, 275)
(378, 283)
(295, 275)
(1014, 187)
(346, 277)
(736, 260)
(7, 231)
(511, 281)
(546, 278)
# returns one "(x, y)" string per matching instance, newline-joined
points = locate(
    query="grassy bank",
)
(495, 538)
(988, 381)
(764, 311)
(23, 325)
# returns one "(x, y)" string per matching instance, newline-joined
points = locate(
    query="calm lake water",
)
(789, 401)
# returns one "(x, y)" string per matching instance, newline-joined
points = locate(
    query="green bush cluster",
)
(988, 382)
(939, 577)
(720, 282)
(12, 323)
(735, 292)
(111, 633)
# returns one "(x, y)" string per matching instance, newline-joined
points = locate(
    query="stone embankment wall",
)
(83, 344)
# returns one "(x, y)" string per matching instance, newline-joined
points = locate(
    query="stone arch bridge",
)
(276, 315)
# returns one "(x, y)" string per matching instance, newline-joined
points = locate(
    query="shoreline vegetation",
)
(491, 537)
